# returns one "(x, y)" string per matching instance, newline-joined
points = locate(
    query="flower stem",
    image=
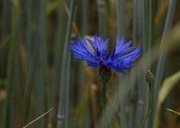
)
(103, 94)
(149, 105)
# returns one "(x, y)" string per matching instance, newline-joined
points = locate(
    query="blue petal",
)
(99, 44)
(82, 52)
(122, 48)
(132, 56)
(119, 44)
(121, 63)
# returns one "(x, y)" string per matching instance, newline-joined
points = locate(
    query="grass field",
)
(39, 76)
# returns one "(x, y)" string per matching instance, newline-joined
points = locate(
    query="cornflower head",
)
(119, 59)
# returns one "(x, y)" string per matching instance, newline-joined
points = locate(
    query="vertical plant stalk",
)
(150, 30)
(84, 15)
(104, 76)
(120, 11)
(9, 110)
(103, 95)
(150, 39)
(149, 79)
(101, 19)
(149, 106)
(63, 110)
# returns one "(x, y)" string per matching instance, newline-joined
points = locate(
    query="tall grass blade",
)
(84, 16)
(101, 17)
(13, 52)
(120, 10)
(161, 62)
(5, 30)
(121, 13)
(151, 40)
(58, 48)
(138, 91)
(64, 108)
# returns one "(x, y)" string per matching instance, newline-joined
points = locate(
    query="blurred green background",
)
(38, 72)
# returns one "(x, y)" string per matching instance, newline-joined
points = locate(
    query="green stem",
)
(149, 105)
(103, 94)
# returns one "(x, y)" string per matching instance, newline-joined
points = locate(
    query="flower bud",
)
(149, 77)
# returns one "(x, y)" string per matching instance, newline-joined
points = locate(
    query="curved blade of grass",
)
(167, 86)
(38, 118)
(173, 111)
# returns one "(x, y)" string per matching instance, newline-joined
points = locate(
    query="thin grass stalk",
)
(31, 52)
(151, 40)
(101, 19)
(103, 98)
(36, 56)
(28, 32)
(151, 29)
(84, 16)
(144, 21)
(149, 80)
(123, 106)
(134, 90)
(42, 84)
(163, 55)
(63, 110)
(143, 25)
(141, 101)
(36, 47)
(68, 123)
(120, 11)
(134, 34)
(107, 17)
(28, 44)
(132, 103)
(59, 44)
(18, 81)
(149, 109)
(11, 66)
(6, 11)
(6, 29)
(133, 107)
(141, 36)
(81, 75)
(18, 74)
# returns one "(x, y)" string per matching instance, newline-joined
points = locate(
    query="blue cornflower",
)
(120, 59)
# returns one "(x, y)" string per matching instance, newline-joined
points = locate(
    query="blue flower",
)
(120, 59)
